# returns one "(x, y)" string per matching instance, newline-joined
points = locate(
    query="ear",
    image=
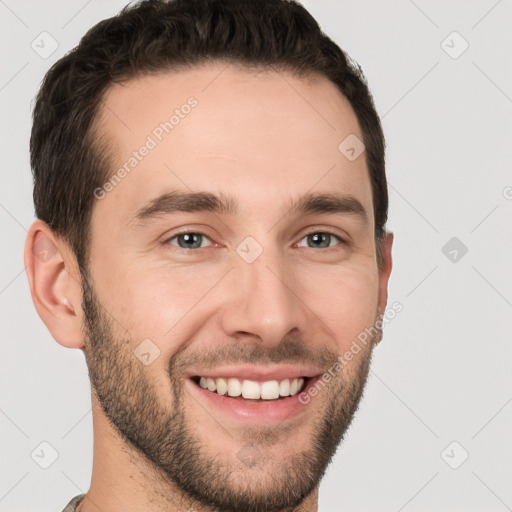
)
(385, 271)
(55, 287)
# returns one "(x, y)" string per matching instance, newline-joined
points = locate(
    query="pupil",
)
(191, 239)
(318, 237)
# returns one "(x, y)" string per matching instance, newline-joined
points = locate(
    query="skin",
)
(265, 138)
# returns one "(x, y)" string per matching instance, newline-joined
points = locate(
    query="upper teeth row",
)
(267, 390)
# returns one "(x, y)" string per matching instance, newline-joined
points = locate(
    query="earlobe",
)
(54, 284)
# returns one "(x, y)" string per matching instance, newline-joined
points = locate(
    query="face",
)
(232, 264)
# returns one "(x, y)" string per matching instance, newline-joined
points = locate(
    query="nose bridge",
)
(264, 303)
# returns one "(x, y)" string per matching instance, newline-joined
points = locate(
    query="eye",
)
(321, 239)
(196, 240)
(189, 240)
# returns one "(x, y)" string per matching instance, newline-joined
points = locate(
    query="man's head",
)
(69, 159)
(197, 169)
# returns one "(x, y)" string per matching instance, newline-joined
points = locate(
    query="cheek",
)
(345, 298)
(159, 303)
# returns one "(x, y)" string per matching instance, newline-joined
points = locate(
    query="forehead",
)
(266, 136)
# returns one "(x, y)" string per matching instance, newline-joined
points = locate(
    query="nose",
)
(265, 303)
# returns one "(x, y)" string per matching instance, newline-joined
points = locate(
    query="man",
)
(211, 200)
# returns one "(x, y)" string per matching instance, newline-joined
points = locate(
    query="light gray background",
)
(443, 370)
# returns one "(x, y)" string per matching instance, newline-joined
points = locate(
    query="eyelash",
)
(185, 251)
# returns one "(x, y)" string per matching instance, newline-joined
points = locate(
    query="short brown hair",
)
(67, 158)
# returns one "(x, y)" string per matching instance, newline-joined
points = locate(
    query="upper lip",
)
(257, 373)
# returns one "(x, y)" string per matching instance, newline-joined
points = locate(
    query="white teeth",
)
(222, 386)
(234, 387)
(251, 389)
(268, 390)
(284, 388)
(296, 386)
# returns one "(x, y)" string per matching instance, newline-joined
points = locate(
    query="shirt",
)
(71, 506)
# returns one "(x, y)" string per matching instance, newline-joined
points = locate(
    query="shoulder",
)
(70, 507)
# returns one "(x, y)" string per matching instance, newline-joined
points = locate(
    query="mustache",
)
(289, 351)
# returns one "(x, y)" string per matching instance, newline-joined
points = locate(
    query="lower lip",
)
(271, 411)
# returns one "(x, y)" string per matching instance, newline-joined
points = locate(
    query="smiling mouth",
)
(255, 391)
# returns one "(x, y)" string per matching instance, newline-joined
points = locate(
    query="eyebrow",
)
(188, 202)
